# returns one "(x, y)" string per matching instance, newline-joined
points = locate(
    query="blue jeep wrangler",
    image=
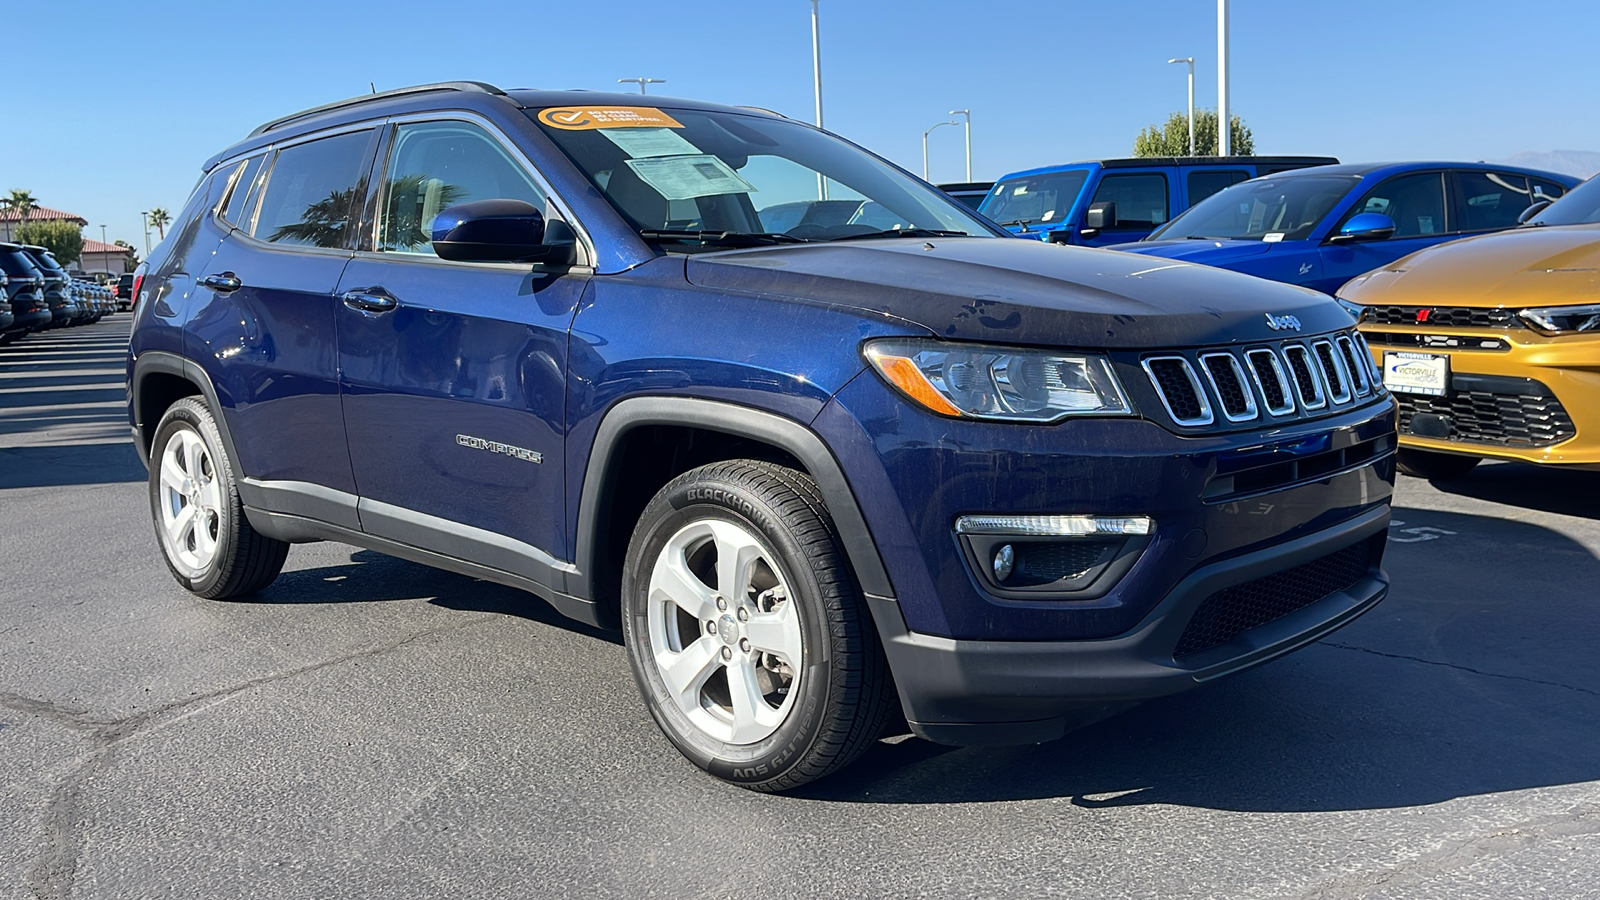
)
(818, 477)
(1113, 201)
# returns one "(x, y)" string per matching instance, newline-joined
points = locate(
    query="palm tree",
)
(160, 218)
(20, 202)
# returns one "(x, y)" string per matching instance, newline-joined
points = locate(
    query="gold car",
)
(1491, 345)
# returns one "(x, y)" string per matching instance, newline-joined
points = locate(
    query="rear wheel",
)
(746, 631)
(205, 538)
(1428, 464)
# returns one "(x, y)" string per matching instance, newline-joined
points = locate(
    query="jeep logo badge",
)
(1280, 323)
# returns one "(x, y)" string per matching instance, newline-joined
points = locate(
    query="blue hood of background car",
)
(1024, 292)
(1206, 252)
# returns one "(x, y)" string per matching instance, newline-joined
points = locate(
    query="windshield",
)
(694, 177)
(1581, 206)
(1036, 199)
(1270, 209)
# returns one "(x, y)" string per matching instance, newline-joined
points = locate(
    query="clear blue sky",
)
(124, 101)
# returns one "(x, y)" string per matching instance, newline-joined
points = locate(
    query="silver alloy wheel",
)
(191, 503)
(725, 631)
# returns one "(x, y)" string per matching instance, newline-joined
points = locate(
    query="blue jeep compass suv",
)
(818, 477)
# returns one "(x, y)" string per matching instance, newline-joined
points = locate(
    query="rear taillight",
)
(133, 296)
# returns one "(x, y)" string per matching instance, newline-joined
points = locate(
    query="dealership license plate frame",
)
(1439, 363)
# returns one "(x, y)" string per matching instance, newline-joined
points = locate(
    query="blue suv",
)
(819, 477)
(1112, 201)
(1323, 226)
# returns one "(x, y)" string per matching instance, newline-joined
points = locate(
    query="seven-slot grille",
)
(1275, 381)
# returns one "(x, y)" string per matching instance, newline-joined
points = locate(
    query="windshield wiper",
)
(903, 232)
(728, 238)
(1023, 223)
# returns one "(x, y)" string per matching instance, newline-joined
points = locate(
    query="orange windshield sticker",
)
(586, 118)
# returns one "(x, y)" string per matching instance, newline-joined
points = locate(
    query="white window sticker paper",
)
(1272, 237)
(642, 143)
(688, 177)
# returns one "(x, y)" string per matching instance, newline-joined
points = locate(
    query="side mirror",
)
(1538, 206)
(499, 231)
(1101, 216)
(1364, 227)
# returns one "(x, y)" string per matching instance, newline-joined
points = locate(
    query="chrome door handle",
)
(373, 299)
(226, 283)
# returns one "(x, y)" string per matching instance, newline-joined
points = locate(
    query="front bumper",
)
(1566, 369)
(965, 692)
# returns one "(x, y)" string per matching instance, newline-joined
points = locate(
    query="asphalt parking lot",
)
(368, 727)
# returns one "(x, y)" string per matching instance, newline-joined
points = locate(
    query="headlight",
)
(982, 382)
(1563, 319)
(1354, 309)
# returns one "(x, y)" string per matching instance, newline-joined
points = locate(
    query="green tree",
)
(133, 254)
(63, 239)
(20, 202)
(160, 218)
(1173, 138)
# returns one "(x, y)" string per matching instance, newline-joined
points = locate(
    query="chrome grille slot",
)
(1333, 372)
(1272, 381)
(1307, 386)
(1238, 402)
(1180, 390)
(1360, 373)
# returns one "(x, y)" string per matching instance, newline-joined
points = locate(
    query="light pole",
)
(968, 114)
(1224, 126)
(1190, 61)
(144, 216)
(925, 148)
(641, 82)
(816, 76)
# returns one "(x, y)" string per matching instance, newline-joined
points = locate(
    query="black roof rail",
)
(476, 86)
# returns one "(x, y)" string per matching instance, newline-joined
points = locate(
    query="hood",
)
(1205, 252)
(1025, 292)
(1547, 265)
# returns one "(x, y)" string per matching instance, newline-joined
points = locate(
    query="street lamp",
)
(925, 148)
(144, 216)
(1190, 61)
(641, 82)
(968, 114)
(1224, 124)
(816, 76)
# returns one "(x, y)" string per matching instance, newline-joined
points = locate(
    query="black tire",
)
(845, 693)
(244, 561)
(1428, 464)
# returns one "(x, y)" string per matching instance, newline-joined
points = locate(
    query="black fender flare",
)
(168, 363)
(738, 421)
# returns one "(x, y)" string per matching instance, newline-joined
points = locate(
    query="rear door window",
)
(1489, 200)
(312, 190)
(1415, 202)
(1141, 200)
(242, 191)
(1205, 182)
(436, 165)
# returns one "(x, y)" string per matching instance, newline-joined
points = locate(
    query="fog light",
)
(1004, 560)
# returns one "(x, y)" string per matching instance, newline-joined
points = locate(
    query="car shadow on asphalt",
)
(372, 577)
(1475, 676)
(57, 465)
(1569, 492)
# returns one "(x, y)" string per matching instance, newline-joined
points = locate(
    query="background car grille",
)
(1264, 382)
(1232, 611)
(1443, 316)
(1519, 420)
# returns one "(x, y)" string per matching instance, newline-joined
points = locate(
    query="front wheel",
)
(746, 631)
(208, 544)
(1428, 464)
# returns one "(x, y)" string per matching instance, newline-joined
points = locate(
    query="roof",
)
(42, 214)
(1395, 168)
(97, 247)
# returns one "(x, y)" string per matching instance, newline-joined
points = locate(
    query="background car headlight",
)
(984, 382)
(1563, 319)
(1354, 309)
